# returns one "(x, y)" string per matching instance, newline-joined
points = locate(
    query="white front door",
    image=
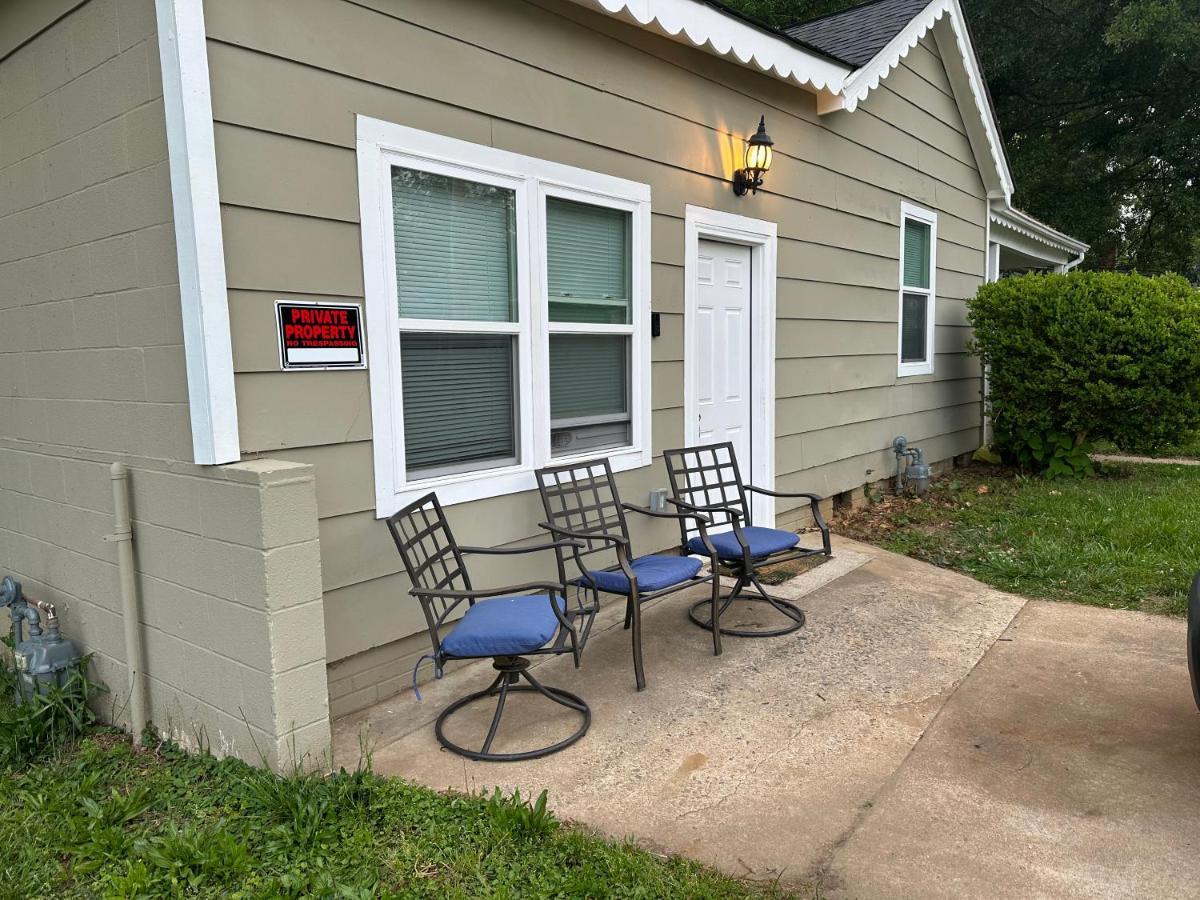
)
(722, 365)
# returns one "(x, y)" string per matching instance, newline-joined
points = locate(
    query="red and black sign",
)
(320, 335)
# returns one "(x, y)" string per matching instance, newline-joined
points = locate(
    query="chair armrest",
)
(815, 498)
(577, 536)
(665, 515)
(814, 502)
(699, 519)
(691, 507)
(477, 593)
(511, 551)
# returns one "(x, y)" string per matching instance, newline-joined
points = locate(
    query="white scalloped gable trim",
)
(1025, 225)
(722, 34)
(859, 86)
(837, 87)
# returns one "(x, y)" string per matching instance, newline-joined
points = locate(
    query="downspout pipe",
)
(122, 536)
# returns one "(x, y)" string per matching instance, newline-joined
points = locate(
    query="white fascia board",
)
(199, 249)
(721, 34)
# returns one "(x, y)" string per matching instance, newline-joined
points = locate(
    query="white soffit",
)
(722, 34)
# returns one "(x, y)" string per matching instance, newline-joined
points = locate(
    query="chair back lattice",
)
(582, 497)
(707, 475)
(431, 558)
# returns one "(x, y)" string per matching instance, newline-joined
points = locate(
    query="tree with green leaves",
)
(1099, 101)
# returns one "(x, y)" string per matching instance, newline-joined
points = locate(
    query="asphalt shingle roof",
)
(855, 35)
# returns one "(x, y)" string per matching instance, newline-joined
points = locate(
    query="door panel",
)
(722, 366)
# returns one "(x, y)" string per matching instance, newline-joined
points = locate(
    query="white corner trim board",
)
(198, 243)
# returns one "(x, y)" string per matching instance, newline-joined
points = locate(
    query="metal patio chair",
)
(706, 479)
(582, 505)
(506, 624)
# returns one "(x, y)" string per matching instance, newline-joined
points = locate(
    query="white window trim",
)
(384, 144)
(925, 366)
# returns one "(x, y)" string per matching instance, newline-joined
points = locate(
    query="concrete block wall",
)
(92, 371)
(230, 581)
(91, 340)
(229, 577)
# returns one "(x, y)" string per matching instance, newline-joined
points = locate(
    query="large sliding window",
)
(918, 290)
(507, 308)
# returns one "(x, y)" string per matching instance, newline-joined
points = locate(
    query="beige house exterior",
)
(170, 169)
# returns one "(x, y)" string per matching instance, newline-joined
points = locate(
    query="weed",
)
(525, 820)
(45, 722)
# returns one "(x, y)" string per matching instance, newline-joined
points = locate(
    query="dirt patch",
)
(930, 515)
(784, 571)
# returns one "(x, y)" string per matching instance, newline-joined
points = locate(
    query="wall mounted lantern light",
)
(758, 161)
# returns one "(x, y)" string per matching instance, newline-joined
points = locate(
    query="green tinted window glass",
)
(455, 248)
(458, 402)
(913, 329)
(588, 261)
(916, 253)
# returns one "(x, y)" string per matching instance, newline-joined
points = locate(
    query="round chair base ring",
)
(787, 609)
(498, 693)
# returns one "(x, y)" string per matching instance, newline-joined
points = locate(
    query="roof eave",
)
(720, 33)
(1010, 217)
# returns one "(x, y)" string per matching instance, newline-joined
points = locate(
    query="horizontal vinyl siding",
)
(549, 79)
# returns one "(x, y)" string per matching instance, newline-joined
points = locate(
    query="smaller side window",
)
(918, 291)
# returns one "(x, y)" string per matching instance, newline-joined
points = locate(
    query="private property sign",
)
(315, 335)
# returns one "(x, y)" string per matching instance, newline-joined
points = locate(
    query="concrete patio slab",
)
(924, 736)
(1066, 765)
(759, 761)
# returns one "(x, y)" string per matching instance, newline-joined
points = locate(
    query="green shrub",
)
(1088, 356)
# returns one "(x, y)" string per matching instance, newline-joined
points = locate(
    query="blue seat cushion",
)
(503, 626)
(762, 541)
(653, 574)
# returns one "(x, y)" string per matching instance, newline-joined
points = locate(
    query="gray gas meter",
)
(43, 657)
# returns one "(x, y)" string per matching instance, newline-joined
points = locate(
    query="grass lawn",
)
(1128, 539)
(97, 819)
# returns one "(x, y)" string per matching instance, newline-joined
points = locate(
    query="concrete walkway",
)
(1149, 460)
(925, 735)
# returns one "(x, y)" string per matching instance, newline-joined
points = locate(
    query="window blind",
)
(455, 248)
(916, 254)
(589, 375)
(913, 330)
(458, 400)
(588, 261)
